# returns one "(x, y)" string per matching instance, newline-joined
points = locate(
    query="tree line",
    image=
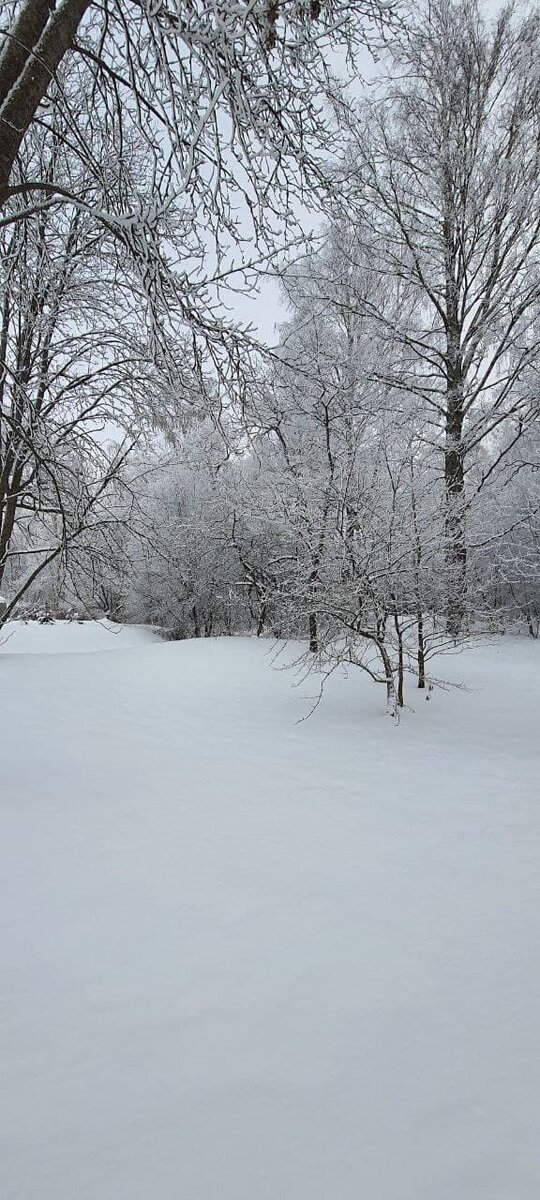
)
(369, 485)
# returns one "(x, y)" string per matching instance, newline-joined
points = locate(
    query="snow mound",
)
(71, 637)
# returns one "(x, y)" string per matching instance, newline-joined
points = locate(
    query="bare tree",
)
(196, 129)
(336, 454)
(77, 375)
(180, 69)
(446, 169)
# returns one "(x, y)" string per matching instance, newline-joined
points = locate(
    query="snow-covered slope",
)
(70, 637)
(250, 959)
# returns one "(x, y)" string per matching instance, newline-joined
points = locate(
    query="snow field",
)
(251, 959)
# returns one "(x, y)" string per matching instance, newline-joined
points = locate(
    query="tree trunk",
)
(26, 30)
(456, 549)
(421, 651)
(313, 635)
(195, 619)
(392, 702)
(262, 620)
(399, 636)
(8, 512)
(33, 51)
(454, 453)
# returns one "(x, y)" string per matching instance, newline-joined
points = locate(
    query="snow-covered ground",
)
(250, 959)
(70, 637)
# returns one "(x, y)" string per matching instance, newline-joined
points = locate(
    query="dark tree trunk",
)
(195, 619)
(31, 55)
(421, 652)
(313, 634)
(399, 637)
(8, 512)
(456, 549)
(262, 620)
(454, 451)
(26, 30)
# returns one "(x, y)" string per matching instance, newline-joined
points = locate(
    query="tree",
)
(77, 373)
(209, 87)
(182, 570)
(344, 475)
(445, 168)
(154, 113)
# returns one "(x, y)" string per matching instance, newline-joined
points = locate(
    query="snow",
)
(70, 637)
(251, 959)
